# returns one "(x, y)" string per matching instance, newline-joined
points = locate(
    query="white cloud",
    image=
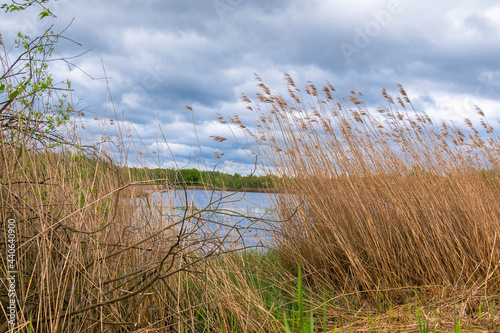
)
(456, 107)
(160, 55)
(131, 100)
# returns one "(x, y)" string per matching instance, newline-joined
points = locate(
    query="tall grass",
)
(387, 199)
(90, 257)
(92, 254)
(382, 208)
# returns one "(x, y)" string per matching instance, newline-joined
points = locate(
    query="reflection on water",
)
(240, 217)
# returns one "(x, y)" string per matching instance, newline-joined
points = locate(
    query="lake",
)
(241, 217)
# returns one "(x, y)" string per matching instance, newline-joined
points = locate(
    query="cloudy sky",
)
(162, 55)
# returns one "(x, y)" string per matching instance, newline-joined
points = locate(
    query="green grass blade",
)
(311, 326)
(285, 320)
(301, 308)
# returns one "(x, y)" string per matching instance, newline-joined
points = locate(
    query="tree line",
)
(195, 177)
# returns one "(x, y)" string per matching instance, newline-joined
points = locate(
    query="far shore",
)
(165, 187)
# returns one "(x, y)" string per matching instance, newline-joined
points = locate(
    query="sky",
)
(159, 56)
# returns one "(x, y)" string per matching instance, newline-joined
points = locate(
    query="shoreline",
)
(211, 188)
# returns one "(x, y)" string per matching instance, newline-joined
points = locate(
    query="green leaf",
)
(45, 13)
(15, 94)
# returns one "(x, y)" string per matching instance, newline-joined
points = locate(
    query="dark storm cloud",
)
(161, 55)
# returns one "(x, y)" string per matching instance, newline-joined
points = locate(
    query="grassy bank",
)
(252, 292)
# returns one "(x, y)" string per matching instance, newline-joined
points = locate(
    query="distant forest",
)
(194, 177)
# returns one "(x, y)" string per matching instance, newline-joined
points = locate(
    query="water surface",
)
(241, 216)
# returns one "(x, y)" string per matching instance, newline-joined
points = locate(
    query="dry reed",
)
(93, 253)
(377, 204)
(388, 199)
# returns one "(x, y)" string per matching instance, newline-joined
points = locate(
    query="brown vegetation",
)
(393, 219)
(388, 199)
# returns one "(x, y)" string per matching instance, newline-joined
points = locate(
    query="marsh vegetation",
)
(389, 222)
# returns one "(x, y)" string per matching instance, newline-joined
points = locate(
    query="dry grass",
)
(397, 225)
(88, 257)
(93, 253)
(388, 199)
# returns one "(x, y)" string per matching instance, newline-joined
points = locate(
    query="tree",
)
(32, 106)
(191, 176)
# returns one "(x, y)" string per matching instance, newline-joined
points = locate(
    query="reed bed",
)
(388, 199)
(93, 251)
(388, 222)
(89, 257)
